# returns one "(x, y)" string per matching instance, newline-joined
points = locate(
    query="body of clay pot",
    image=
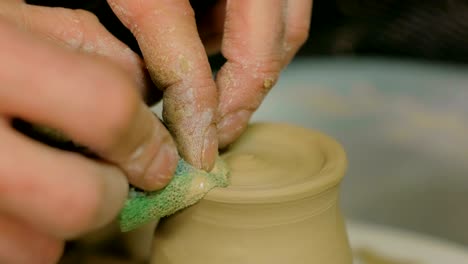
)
(267, 215)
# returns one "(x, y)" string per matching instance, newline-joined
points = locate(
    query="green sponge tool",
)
(187, 187)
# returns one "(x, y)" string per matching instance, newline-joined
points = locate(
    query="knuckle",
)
(84, 22)
(83, 16)
(79, 21)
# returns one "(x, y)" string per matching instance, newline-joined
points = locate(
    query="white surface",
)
(405, 245)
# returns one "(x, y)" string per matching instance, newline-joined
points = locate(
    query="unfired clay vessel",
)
(281, 207)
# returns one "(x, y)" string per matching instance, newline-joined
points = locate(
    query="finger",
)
(90, 101)
(80, 30)
(297, 26)
(19, 243)
(61, 193)
(253, 46)
(167, 34)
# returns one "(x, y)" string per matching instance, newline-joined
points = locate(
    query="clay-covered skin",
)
(281, 206)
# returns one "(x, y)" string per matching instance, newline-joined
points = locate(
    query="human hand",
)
(80, 31)
(48, 195)
(258, 39)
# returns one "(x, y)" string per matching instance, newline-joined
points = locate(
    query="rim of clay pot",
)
(323, 167)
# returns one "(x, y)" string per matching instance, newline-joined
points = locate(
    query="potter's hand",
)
(78, 30)
(81, 32)
(259, 38)
(49, 195)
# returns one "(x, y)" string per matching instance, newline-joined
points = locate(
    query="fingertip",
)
(190, 114)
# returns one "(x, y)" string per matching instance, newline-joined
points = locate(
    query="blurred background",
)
(435, 30)
(389, 80)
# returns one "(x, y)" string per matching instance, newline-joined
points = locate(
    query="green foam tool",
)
(187, 187)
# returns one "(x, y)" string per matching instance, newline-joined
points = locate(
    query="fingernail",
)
(232, 126)
(210, 148)
(162, 168)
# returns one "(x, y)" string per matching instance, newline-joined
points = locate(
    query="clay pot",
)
(281, 207)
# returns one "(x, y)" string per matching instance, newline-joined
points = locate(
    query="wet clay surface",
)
(283, 196)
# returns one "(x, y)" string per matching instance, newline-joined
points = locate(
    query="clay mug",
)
(281, 207)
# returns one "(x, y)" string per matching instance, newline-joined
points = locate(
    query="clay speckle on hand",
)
(184, 65)
(268, 83)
